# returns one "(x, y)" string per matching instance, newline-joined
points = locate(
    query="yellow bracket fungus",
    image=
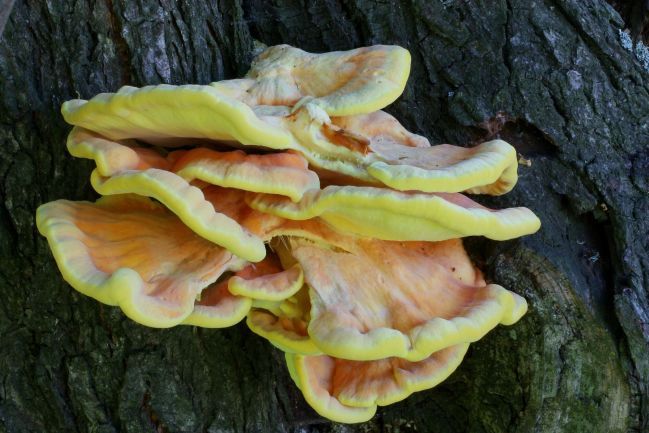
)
(398, 299)
(131, 252)
(188, 203)
(279, 173)
(364, 283)
(376, 147)
(396, 215)
(489, 168)
(342, 83)
(162, 114)
(350, 391)
(276, 173)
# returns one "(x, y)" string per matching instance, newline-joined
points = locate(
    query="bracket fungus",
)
(288, 198)
(342, 83)
(130, 251)
(350, 391)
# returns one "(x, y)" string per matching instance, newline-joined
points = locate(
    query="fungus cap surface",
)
(188, 202)
(396, 215)
(340, 82)
(380, 299)
(132, 252)
(284, 174)
(350, 391)
(161, 114)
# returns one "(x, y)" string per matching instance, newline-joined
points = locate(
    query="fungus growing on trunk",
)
(287, 197)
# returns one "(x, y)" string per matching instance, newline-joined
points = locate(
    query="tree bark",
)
(552, 77)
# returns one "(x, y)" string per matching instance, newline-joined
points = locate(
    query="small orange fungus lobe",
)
(217, 307)
(267, 280)
(285, 323)
(232, 203)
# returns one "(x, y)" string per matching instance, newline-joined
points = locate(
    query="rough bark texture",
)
(550, 76)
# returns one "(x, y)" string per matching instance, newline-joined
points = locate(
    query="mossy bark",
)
(550, 76)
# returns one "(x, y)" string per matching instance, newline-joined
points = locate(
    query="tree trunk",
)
(556, 78)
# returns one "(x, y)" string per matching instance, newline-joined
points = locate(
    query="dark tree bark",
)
(550, 76)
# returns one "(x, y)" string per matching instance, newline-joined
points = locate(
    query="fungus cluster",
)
(288, 198)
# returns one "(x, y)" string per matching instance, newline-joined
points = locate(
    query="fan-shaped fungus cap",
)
(162, 114)
(489, 168)
(405, 161)
(342, 83)
(381, 299)
(395, 215)
(284, 173)
(349, 391)
(132, 252)
(375, 148)
(188, 202)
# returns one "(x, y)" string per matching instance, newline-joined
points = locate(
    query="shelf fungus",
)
(288, 198)
(350, 391)
(342, 83)
(132, 252)
(428, 298)
(397, 215)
